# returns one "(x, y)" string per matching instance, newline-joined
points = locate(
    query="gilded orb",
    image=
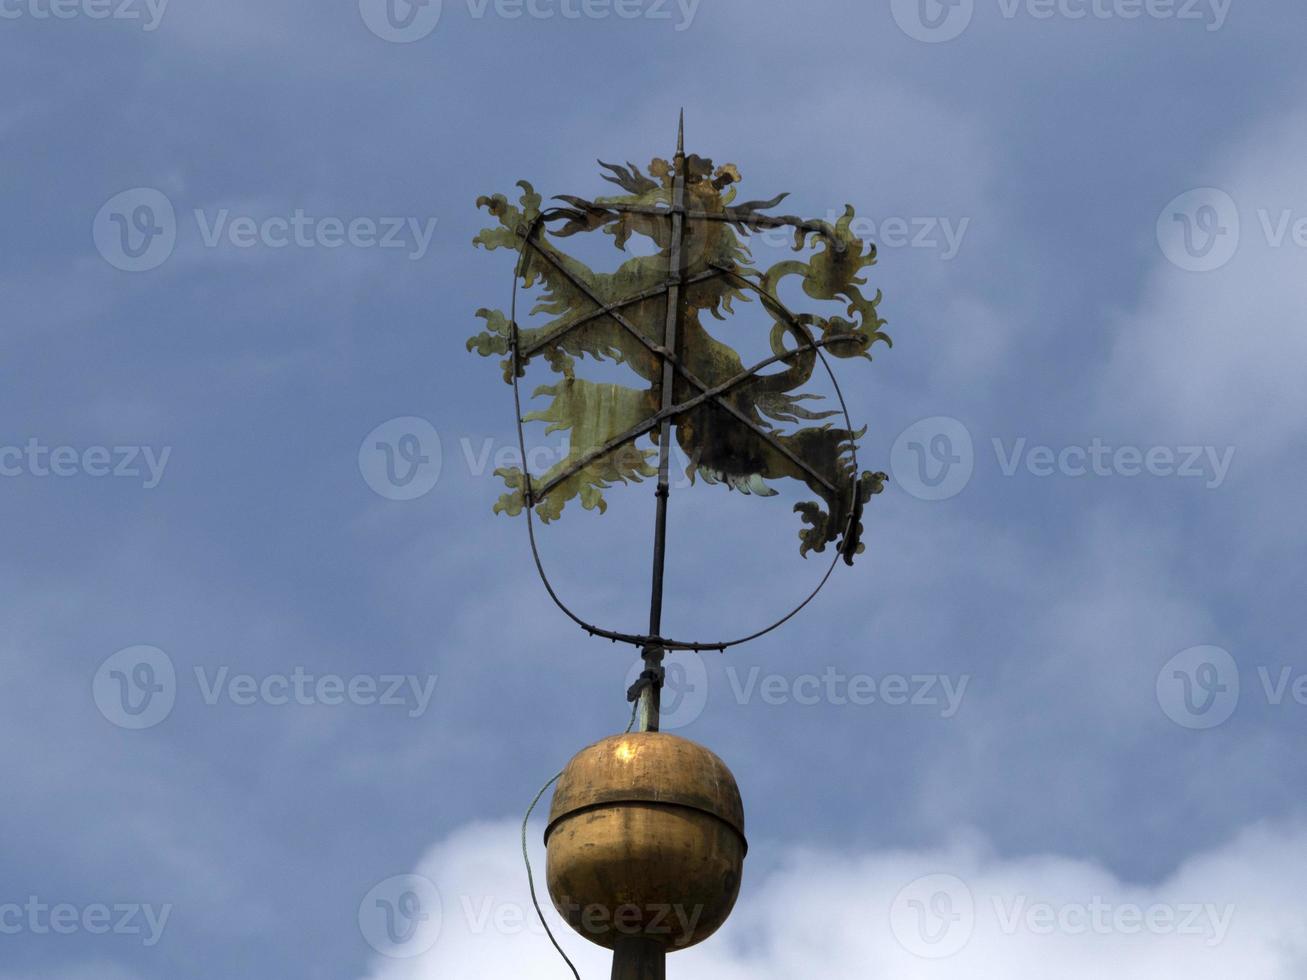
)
(645, 839)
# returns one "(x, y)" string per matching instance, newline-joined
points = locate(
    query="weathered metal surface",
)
(638, 958)
(648, 768)
(645, 838)
(737, 426)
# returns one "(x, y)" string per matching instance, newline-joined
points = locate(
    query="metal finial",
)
(680, 135)
(723, 414)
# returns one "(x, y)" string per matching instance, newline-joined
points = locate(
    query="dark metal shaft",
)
(639, 958)
(650, 700)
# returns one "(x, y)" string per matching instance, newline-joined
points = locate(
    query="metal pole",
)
(639, 957)
(650, 696)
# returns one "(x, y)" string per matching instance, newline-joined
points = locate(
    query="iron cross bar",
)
(553, 337)
(654, 421)
(744, 219)
(670, 358)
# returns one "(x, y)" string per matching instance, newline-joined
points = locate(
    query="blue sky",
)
(1092, 226)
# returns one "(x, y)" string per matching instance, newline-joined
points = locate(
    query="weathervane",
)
(738, 425)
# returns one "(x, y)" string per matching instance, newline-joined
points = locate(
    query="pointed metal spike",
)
(680, 133)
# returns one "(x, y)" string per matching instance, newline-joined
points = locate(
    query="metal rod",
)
(557, 335)
(650, 697)
(639, 958)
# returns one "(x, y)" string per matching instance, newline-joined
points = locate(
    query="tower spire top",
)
(680, 134)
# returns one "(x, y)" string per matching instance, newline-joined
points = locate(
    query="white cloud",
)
(1218, 355)
(1235, 910)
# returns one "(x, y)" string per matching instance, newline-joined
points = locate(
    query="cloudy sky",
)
(270, 664)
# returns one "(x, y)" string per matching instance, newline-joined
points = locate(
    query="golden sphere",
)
(645, 838)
